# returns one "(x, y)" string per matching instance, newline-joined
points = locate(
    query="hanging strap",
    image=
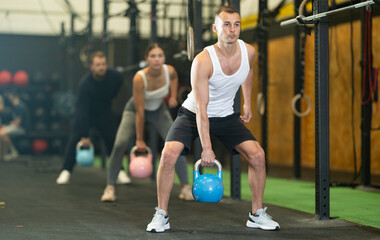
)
(301, 95)
(367, 63)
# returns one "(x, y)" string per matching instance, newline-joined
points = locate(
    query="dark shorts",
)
(229, 130)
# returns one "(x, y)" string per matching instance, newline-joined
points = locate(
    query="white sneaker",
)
(64, 177)
(186, 193)
(160, 222)
(10, 156)
(109, 194)
(122, 178)
(262, 220)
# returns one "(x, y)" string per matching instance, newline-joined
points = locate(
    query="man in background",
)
(97, 91)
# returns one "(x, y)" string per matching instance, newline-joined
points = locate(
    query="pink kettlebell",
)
(141, 166)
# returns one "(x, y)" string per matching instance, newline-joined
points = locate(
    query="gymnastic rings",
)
(260, 104)
(297, 97)
(190, 30)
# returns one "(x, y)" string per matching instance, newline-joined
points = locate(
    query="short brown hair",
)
(152, 46)
(99, 54)
(227, 9)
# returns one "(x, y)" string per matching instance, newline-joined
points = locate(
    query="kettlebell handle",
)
(80, 144)
(134, 149)
(216, 163)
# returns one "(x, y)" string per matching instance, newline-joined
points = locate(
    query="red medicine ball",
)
(39, 146)
(5, 78)
(20, 78)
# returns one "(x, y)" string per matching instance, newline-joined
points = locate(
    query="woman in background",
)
(150, 86)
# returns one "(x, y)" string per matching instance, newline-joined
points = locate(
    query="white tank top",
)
(153, 99)
(222, 88)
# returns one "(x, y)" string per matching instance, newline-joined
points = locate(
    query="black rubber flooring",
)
(33, 206)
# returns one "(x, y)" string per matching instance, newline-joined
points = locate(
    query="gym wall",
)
(281, 92)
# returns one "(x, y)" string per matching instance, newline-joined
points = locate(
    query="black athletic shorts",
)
(229, 130)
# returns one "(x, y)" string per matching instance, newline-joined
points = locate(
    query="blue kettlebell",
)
(85, 156)
(208, 187)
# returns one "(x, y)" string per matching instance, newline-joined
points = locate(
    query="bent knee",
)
(168, 157)
(257, 159)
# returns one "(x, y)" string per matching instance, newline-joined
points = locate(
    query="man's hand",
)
(207, 158)
(247, 114)
(85, 142)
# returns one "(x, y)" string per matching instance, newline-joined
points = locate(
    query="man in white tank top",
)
(216, 75)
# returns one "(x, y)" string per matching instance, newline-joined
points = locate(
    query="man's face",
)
(99, 67)
(227, 27)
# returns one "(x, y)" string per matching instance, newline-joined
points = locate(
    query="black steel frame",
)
(322, 142)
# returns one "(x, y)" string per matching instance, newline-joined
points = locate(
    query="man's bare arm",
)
(247, 87)
(200, 72)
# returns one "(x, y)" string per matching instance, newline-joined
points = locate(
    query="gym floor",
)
(33, 206)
